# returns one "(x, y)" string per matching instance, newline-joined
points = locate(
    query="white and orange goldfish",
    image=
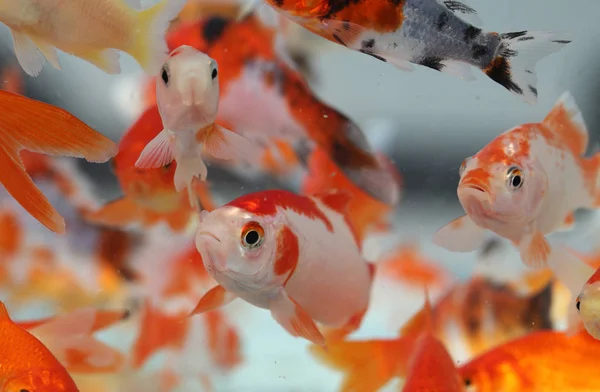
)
(525, 184)
(294, 255)
(93, 30)
(187, 94)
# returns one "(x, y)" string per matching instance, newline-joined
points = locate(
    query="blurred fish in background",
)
(111, 280)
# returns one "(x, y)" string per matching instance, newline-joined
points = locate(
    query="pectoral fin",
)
(213, 299)
(460, 235)
(294, 319)
(30, 58)
(535, 250)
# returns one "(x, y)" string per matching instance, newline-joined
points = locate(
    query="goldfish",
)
(92, 30)
(26, 364)
(294, 255)
(540, 361)
(587, 305)
(430, 33)
(417, 356)
(187, 94)
(526, 183)
(364, 212)
(39, 127)
(267, 100)
(149, 194)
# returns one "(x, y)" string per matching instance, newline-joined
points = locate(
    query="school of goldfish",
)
(139, 293)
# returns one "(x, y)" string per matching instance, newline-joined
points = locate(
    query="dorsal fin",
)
(3, 312)
(335, 199)
(421, 321)
(463, 11)
(566, 121)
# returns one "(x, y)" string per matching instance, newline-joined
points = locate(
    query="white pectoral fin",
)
(213, 299)
(458, 69)
(222, 143)
(294, 319)
(30, 58)
(157, 153)
(534, 249)
(460, 235)
(49, 52)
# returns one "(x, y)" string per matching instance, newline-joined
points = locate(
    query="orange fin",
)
(566, 121)
(295, 320)
(460, 235)
(213, 299)
(535, 250)
(43, 128)
(336, 199)
(70, 338)
(223, 340)
(157, 331)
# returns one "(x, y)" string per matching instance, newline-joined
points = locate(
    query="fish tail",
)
(349, 150)
(515, 58)
(149, 46)
(223, 340)
(70, 338)
(158, 330)
(367, 365)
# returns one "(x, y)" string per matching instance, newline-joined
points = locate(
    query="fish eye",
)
(252, 235)
(165, 75)
(467, 382)
(515, 178)
(215, 73)
(578, 304)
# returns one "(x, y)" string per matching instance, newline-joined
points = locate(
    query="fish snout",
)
(475, 198)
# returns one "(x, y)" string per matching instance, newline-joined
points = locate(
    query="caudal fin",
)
(513, 65)
(31, 125)
(149, 47)
(70, 338)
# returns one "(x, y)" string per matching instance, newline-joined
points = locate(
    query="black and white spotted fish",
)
(433, 33)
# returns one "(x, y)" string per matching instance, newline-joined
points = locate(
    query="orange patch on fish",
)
(288, 252)
(223, 340)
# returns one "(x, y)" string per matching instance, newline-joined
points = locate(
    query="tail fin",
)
(513, 65)
(39, 127)
(158, 330)
(368, 365)
(149, 47)
(223, 340)
(70, 338)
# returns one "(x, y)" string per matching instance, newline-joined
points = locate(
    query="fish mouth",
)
(208, 234)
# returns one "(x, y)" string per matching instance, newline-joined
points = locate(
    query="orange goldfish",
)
(587, 305)
(150, 195)
(40, 127)
(264, 99)
(417, 356)
(294, 255)
(364, 212)
(26, 364)
(430, 33)
(525, 184)
(540, 361)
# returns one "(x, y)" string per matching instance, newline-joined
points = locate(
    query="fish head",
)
(187, 90)
(477, 378)
(499, 186)
(239, 244)
(588, 306)
(301, 8)
(40, 380)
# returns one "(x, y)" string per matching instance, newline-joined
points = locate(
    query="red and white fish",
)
(525, 184)
(294, 255)
(187, 94)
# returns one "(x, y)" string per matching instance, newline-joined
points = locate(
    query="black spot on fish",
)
(470, 33)
(213, 29)
(432, 62)
(491, 246)
(513, 35)
(526, 38)
(499, 72)
(336, 6)
(561, 41)
(278, 3)
(442, 20)
(368, 44)
(533, 90)
(373, 55)
(478, 51)
(458, 6)
(529, 71)
(396, 2)
(338, 39)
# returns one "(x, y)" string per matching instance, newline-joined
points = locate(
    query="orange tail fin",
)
(40, 127)
(223, 340)
(157, 331)
(70, 338)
